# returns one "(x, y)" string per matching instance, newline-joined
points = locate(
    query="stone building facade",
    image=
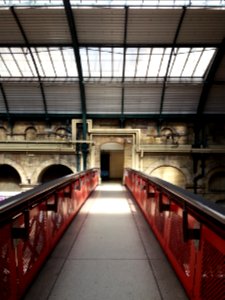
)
(34, 152)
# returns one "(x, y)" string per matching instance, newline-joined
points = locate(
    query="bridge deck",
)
(108, 252)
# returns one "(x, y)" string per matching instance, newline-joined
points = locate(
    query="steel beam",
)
(171, 55)
(5, 100)
(33, 60)
(75, 44)
(124, 66)
(209, 80)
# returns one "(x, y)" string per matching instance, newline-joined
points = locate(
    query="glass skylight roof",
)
(50, 62)
(146, 62)
(117, 2)
(106, 62)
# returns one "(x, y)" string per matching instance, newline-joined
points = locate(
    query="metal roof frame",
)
(33, 60)
(169, 61)
(209, 80)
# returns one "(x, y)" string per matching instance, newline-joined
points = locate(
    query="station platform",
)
(107, 253)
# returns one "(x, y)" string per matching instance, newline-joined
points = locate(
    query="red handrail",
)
(190, 229)
(32, 223)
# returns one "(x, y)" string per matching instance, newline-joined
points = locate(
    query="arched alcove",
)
(112, 160)
(217, 182)
(9, 179)
(53, 172)
(30, 133)
(170, 174)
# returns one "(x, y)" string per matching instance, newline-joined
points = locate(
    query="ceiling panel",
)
(181, 99)
(142, 99)
(2, 103)
(103, 99)
(24, 98)
(44, 25)
(216, 100)
(100, 25)
(9, 31)
(152, 26)
(203, 26)
(63, 98)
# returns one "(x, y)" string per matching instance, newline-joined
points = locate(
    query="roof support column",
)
(169, 61)
(75, 43)
(122, 118)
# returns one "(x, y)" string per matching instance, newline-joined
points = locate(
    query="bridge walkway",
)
(108, 253)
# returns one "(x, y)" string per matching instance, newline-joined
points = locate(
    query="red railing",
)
(190, 229)
(32, 223)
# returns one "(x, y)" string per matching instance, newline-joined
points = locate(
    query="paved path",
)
(108, 253)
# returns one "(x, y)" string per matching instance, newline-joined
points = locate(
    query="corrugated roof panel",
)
(24, 98)
(181, 99)
(103, 99)
(152, 26)
(142, 99)
(216, 100)
(220, 74)
(2, 104)
(203, 26)
(9, 31)
(101, 25)
(44, 25)
(63, 98)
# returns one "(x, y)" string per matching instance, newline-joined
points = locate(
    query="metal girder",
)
(169, 61)
(209, 81)
(155, 117)
(5, 100)
(110, 45)
(124, 66)
(33, 59)
(75, 44)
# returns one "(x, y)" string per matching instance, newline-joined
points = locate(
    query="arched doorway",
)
(53, 172)
(9, 181)
(112, 161)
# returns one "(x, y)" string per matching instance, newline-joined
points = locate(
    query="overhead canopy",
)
(156, 59)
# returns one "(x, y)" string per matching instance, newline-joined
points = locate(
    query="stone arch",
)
(170, 172)
(3, 134)
(30, 133)
(45, 165)
(9, 179)
(17, 167)
(216, 180)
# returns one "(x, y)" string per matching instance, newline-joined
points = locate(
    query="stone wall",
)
(164, 150)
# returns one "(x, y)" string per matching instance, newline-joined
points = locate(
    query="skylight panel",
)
(131, 61)
(143, 60)
(138, 3)
(69, 60)
(10, 62)
(106, 62)
(204, 62)
(94, 60)
(102, 62)
(178, 62)
(117, 62)
(44, 62)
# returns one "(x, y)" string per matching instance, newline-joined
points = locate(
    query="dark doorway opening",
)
(105, 165)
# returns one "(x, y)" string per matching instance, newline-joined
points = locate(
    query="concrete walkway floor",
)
(108, 253)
